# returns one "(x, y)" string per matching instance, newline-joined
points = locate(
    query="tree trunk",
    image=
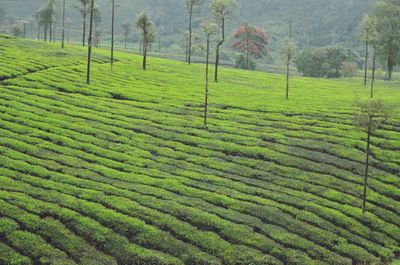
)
(24, 30)
(288, 60)
(366, 58)
(54, 32)
(190, 34)
(390, 67)
(247, 49)
(90, 42)
(45, 32)
(159, 43)
(126, 40)
(373, 73)
(186, 49)
(140, 46)
(84, 26)
(367, 167)
(112, 33)
(68, 34)
(51, 31)
(144, 51)
(206, 91)
(63, 26)
(218, 47)
(38, 33)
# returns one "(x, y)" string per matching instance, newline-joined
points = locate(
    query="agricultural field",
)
(121, 171)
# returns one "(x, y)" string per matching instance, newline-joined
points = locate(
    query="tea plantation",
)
(122, 172)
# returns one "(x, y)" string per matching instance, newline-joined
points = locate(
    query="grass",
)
(121, 172)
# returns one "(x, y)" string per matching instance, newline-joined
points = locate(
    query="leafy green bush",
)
(324, 62)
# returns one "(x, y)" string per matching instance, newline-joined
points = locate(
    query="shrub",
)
(349, 69)
(323, 62)
(240, 62)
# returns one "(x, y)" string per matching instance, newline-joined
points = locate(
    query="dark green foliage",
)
(240, 62)
(323, 62)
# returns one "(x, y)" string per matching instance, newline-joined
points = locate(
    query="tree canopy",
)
(384, 24)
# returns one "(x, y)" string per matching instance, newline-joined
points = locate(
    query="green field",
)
(122, 172)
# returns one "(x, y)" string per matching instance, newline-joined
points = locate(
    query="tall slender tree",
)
(370, 116)
(63, 25)
(112, 32)
(289, 58)
(69, 24)
(209, 29)
(387, 27)
(90, 42)
(51, 4)
(84, 9)
(366, 56)
(370, 23)
(145, 25)
(191, 7)
(127, 28)
(222, 9)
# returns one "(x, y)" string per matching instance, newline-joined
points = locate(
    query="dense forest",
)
(317, 22)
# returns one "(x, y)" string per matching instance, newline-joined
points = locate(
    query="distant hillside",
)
(317, 22)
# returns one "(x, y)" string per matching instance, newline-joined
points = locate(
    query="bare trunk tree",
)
(45, 28)
(206, 90)
(90, 42)
(84, 25)
(68, 30)
(218, 48)
(390, 67)
(159, 43)
(38, 33)
(373, 73)
(289, 57)
(190, 34)
(366, 57)
(63, 25)
(186, 49)
(145, 51)
(54, 31)
(367, 166)
(112, 33)
(51, 31)
(247, 49)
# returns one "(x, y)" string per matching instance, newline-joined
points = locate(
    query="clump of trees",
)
(45, 17)
(324, 62)
(252, 42)
(382, 28)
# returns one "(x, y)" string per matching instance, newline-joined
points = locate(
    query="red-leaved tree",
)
(252, 41)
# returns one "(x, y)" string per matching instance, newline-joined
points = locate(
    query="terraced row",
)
(121, 172)
(53, 123)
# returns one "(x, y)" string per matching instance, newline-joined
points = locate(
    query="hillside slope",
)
(317, 22)
(121, 171)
